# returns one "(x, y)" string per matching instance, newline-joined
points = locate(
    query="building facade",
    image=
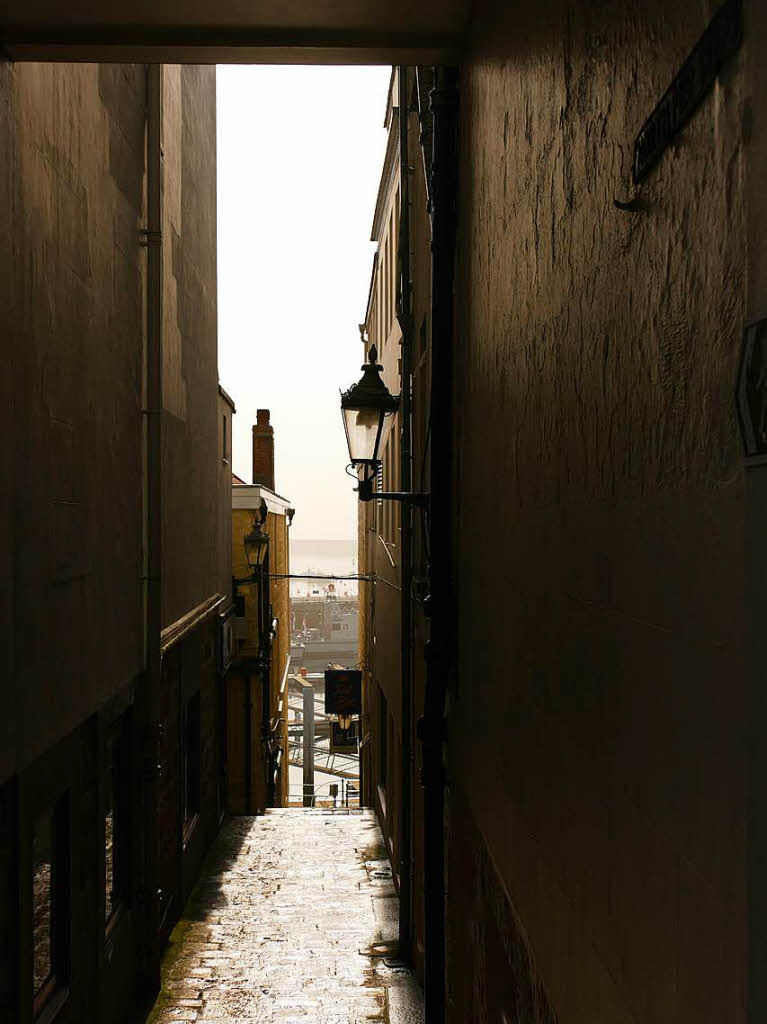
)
(393, 685)
(257, 677)
(110, 766)
(379, 541)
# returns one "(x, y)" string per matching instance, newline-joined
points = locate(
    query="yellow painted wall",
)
(279, 596)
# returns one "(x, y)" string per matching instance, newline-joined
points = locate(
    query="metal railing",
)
(346, 795)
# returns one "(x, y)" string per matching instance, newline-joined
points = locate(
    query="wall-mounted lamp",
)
(367, 409)
(256, 542)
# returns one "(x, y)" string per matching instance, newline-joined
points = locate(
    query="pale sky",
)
(300, 152)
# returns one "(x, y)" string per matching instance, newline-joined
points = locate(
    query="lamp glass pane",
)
(361, 433)
(255, 547)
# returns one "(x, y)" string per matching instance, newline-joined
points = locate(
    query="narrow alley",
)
(383, 490)
(293, 920)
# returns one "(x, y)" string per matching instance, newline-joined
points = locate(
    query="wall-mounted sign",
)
(752, 391)
(690, 85)
(343, 691)
(343, 741)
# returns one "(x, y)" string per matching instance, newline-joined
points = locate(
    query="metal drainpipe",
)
(440, 649)
(148, 691)
(406, 532)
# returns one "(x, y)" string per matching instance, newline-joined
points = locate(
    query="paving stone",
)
(287, 925)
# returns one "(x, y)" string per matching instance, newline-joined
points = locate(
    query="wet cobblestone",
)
(293, 922)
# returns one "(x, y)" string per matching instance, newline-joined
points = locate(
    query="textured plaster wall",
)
(71, 284)
(190, 454)
(597, 733)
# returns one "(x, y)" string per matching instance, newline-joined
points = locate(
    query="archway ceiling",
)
(235, 31)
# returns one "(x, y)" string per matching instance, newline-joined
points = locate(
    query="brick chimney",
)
(263, 450)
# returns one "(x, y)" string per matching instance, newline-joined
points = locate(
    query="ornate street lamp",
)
(367, 409)
(256, 542)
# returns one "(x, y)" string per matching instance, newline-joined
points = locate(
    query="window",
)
(116, 828)
(190, 730)
(385, 295)
(383, 730)
(390, 486)
(50, 904)
(221, 745)
(379, 502)
(224, 448)
(392, 282)
(397, 268)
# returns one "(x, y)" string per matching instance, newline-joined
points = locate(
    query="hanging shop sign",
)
(343, 691)
(343, 741)
(718, 43)
(751, 396)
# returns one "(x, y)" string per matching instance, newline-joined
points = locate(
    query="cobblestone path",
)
(292, 922)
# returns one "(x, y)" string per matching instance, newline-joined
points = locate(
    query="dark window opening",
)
(116, 828)
(191, 751)
(224, 448)
(50, 904)
(221, 746)
(383, 738)
(110, 840)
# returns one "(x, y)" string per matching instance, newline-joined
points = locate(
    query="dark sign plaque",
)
(343, 741)
(343, 691)
(718, 43)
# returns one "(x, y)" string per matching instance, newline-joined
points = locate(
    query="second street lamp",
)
(368, 409)
(256, 542)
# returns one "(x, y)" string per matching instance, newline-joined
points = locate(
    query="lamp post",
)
(368, 409)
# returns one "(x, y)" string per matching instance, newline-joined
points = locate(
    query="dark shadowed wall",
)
(597, 737)
(73, 305)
